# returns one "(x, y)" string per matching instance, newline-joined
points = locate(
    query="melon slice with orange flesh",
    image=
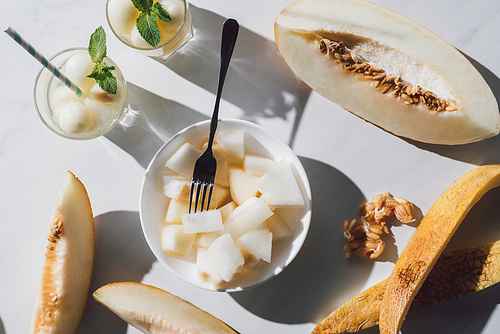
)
(388, 70)
(153, 310)
(68, 262)
(456, 274)
(428, 242)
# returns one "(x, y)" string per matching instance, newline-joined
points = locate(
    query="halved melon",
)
(388, 70)
(68, 262)
(153, 310)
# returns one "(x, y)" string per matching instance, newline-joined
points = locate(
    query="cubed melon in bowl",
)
(255, 141)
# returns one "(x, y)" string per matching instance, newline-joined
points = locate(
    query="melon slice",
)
(175, 210)
(245, 217)
(241, 185)
(183, 160)
(388, 70)
(202, 221)
(153, 310)
(174, 241)
(232, 141)
(257, 164)
(224, 258)
(279, 186)
(278, 227)
(258, 241)
(428, 242)
(204, 273)
(68, 262)
(474, 269)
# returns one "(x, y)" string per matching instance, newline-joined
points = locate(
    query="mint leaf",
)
(104, 78)
(102, 71)
(146, 22)
(161, 12)
(148, 28)
(143, 5)
(97, 45)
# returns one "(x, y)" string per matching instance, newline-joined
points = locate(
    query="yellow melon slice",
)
(454, 275)
(156, 311)
(68, 262)
(428, 242)
(388, 70)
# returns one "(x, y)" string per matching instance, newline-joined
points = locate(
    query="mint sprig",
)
(146, 22)
(102, 71)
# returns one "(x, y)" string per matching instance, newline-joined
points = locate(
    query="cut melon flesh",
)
(67, 269)
(155, 311)
(402, 48)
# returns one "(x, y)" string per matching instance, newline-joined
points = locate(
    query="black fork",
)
(206, 165)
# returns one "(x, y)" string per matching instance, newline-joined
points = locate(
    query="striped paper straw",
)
(38, 56)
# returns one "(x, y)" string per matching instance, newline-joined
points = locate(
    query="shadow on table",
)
(151, 121)
(121, 254)
(481, 153)
(258, 81)
(2, 328)
(320, 278)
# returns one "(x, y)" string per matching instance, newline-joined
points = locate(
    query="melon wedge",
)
(430, 73)
(152, 310)
(68, 262)
(456, 274)
(428, 242)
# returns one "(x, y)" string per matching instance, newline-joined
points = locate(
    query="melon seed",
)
(410, 94)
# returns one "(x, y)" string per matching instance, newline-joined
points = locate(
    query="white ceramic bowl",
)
(153, 204)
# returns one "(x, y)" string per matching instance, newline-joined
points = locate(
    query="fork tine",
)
(198, 189)
(211, 185)
(203, 197)
(191, 195)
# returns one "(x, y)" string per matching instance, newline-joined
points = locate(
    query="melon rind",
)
(428, 242)
(408, 45)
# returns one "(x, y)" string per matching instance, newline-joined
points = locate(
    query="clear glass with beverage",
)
(73, 117)
(122, 15)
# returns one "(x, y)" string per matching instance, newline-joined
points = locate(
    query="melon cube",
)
(257, 164)
(183, 160)
(175, 186)
(205, 240)
(251, 261)
(257, 241)
(279, 186)
(202, 221)
(241, 185)
(174, 241)
(220, 196)
(227, 209)
(221, 176)
(224, 258)
(175, 210)
(232, 141)
(278, 227)
(245, 217)
(203, 272)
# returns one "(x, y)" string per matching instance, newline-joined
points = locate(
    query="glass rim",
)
(60, 132)
(151, 48)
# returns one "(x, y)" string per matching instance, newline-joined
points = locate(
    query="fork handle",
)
(230, 30)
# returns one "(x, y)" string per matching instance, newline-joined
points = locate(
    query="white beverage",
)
(122, 15)
(70, 116)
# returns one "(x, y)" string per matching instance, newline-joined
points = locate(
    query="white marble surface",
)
(347, 159)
